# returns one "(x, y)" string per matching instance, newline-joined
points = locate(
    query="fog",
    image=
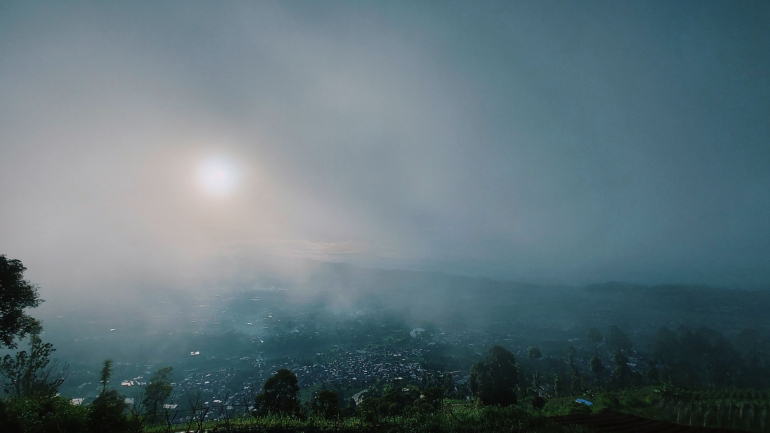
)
(547, 142)
(385, 215)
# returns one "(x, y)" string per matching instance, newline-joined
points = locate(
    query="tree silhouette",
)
(622, 371)
(325, 404)
(279, 395)
(652, 373)
(594, 336)
(16, 294)
(597, 367)
(576, 384)
(106, 413)
(617, 340)
(157, 392)
(534, 353)
(105, 374)
(493, 380)
(32, 374)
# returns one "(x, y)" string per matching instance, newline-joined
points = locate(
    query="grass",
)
(455, 418)
(741, 410)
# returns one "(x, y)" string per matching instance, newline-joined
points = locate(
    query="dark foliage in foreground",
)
(16, 294)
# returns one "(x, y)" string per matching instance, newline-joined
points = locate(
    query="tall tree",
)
(32, 374)
(16, 294)
(571, 362)
(617, 339)
(157, 393)
(576, 384)
(652, 373)
(107, 413)
(557, 386)
(105, 374)
(665, 347)
(494, 379)
(279, 394)
(534, 353)
(597, 368)
(325, 404)
(594, 336)
(622, 370)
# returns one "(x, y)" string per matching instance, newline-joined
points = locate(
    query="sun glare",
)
(218, 176)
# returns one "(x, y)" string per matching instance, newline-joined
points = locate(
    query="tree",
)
(666, 347)
(31, 378)
(279, 395)
(622, 371)
(493, 381)
(576, 384)
(431, 400)
(597, 367)
(325, 404)
(32, 374)
(105, 374)
(652, 373)
(534, 353)
(618, 340)
(571, 362)
(594, 336)
(157, 393)
(536, 383)
(107, 413)
(16, 294)
(557, 386)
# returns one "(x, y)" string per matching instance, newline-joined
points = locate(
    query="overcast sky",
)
(569, 142)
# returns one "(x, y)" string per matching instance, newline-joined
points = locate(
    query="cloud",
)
(527, 141)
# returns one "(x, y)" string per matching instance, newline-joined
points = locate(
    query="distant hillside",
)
(480, 301)
(165, 321)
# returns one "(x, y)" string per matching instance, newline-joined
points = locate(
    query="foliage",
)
(431, 400)
(539, 402)
(705, 357)
(107, 413)
(325, 404)
(652, 373)
(157, 393)
(493, 380)
(622, 371)
(617, 340)
(459, 418)
(534, 353)
(391, 401)
(16, 294)
(105, 374)
(594, 336)
(596, 366)
(32, 374)
(41, 415)
(279, 395)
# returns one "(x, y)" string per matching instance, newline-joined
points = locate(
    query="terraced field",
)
(744, 410)
(615, 422)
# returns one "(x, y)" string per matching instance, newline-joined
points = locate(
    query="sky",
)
(162, 143)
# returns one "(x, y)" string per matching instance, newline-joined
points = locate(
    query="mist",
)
(408, 216)
(546, 142)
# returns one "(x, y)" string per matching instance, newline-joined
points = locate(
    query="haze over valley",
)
(384, 216)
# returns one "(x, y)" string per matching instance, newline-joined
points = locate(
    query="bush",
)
(325, 404)
(279, 395)
(43, 415)
(106, 414)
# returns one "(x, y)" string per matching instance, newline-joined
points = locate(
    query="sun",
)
(218, 176)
